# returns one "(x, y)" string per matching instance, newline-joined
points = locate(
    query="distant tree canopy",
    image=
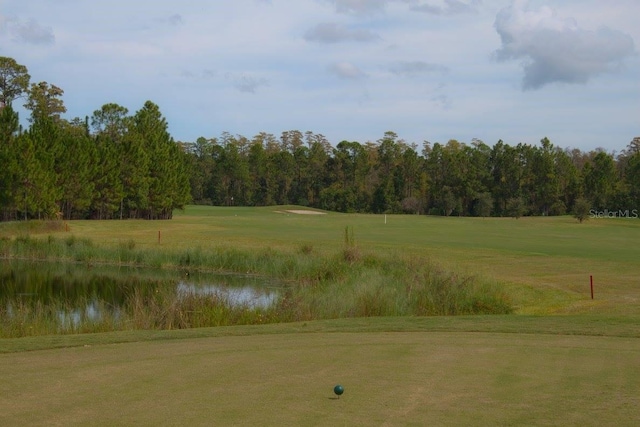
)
(113, 165)
(391, 176)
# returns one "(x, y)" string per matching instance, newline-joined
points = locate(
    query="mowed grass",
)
(285, 377)
(574, 362)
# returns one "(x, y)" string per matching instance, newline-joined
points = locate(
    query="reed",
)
(33, 318)
(349, 282)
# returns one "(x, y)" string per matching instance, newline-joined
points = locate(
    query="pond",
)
(61, 298)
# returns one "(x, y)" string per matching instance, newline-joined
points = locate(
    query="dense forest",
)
(113, 165)
(392, 176)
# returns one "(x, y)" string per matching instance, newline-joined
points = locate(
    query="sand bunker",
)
(302, 212)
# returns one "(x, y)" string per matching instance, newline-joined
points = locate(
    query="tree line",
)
(116, 165)
(392, 176)
(111, 165)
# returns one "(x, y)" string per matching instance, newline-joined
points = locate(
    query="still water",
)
(80, 293)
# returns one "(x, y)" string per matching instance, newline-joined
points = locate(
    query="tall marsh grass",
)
(160, 310)
(347, 283)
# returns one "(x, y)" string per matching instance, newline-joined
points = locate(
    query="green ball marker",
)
(338, 389)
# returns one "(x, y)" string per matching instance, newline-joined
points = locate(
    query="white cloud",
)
(175, 19)
(442, 101)
(447, 7)
(359, 7)
(417, 68)
(29, 31)
(247, 83)
(208, 74)
(555, 49)
(200, 61)
(335, 33)
(346, 70)
(435, 7)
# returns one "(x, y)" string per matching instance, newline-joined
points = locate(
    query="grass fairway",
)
(563, 359)
(273, 376)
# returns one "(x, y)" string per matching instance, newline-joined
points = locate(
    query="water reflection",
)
(74, 295)
(246, 296)
(93, 311)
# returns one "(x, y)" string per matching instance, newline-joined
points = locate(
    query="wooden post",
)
(158, 236)
(591, 281)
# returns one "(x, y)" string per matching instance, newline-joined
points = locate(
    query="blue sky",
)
(428, 70)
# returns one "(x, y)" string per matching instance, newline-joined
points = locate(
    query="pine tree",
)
(8, 160)
(76, 165)
(167, 165)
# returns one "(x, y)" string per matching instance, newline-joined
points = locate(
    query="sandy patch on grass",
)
(301, 212)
